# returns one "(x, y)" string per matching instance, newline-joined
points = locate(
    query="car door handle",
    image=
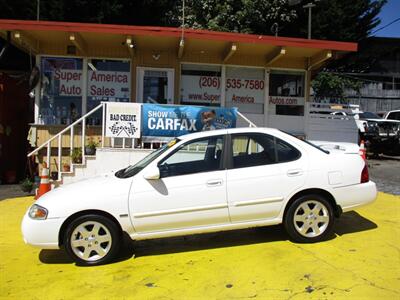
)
(295, 172)
(214, 182)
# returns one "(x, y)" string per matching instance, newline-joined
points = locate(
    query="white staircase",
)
(106, 160)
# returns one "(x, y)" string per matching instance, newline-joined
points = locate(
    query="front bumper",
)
(354, 196)
(41, 233)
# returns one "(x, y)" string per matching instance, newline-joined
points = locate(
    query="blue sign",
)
(176, 120)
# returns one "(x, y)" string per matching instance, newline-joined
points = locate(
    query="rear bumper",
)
(354, 196)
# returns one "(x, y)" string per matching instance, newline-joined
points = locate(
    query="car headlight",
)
(38, 212)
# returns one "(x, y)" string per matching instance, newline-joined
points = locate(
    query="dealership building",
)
(81, 65)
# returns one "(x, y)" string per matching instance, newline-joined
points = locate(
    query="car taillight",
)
(365, 174)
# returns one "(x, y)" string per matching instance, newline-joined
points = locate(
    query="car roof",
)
(227, 131)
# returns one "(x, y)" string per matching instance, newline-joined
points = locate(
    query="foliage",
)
(337, 20)
(92, 143)
(331, 19)
(76, 155)
(250, 16)
(26, 185)
(332, 86)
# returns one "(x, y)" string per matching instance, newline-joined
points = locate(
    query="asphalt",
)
(360, 261)
(385, 172)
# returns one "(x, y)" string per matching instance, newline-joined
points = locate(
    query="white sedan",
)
(204, 182)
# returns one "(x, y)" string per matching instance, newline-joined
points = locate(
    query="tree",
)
(332, 86)
(337, 20)
(246, 16)
(332, 19)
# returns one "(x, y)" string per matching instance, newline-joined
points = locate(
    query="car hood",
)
(382, 121)
(101, 192)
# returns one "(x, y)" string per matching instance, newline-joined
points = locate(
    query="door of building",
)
(155, 85)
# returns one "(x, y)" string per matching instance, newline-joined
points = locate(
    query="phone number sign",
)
(244, 85)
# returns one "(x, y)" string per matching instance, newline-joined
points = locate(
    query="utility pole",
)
(38, 10)
(309, 5)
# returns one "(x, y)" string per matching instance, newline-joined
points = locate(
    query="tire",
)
(310, 225)
(92, 240)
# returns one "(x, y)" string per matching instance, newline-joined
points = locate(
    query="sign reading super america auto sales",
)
(109, 84)
(100, 83)
(123, 120)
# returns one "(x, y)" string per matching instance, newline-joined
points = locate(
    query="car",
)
(392, 115)
(204, 182)
(381, 135)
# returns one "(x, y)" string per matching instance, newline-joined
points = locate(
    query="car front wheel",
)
(92, 240)
(309, 219)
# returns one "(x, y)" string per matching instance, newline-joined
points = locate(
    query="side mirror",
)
(152, 173)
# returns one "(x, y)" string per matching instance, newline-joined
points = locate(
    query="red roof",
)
(6, 24)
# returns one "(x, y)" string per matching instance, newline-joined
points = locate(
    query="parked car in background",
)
(392, 115)
(204, 182)
(382, 136)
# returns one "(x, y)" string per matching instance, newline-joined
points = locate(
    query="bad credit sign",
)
(123, 120)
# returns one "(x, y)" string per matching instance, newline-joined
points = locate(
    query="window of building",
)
(108, 80)
(200, 85)
(155, 86)
(286, 93)
(245, 88)
(203, 155)
(60, 90)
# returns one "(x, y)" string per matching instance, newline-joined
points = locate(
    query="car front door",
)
(191, 191)
(263, 171)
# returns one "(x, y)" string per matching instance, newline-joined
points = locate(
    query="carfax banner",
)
(176, 120)
(123, 120)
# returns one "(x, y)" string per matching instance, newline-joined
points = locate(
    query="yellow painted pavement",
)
(362, 261)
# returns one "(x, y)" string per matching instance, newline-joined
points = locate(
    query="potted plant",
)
(90, 148)
(26, 185)
(76, 156)
(67, 167)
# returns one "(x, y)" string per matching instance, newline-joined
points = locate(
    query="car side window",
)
(394, 115)
(254, 149)
(202, 155)
(285, 152)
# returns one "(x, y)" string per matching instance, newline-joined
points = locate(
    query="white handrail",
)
(251, 124)
(66, 129)
(59, 141)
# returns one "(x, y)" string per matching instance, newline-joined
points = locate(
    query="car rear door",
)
(263, 171)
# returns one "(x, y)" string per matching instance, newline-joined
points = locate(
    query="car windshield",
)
(139, 166)
(369, 115)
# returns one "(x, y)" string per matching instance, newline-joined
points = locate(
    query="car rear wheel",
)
(309, 219)
(92, 240)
